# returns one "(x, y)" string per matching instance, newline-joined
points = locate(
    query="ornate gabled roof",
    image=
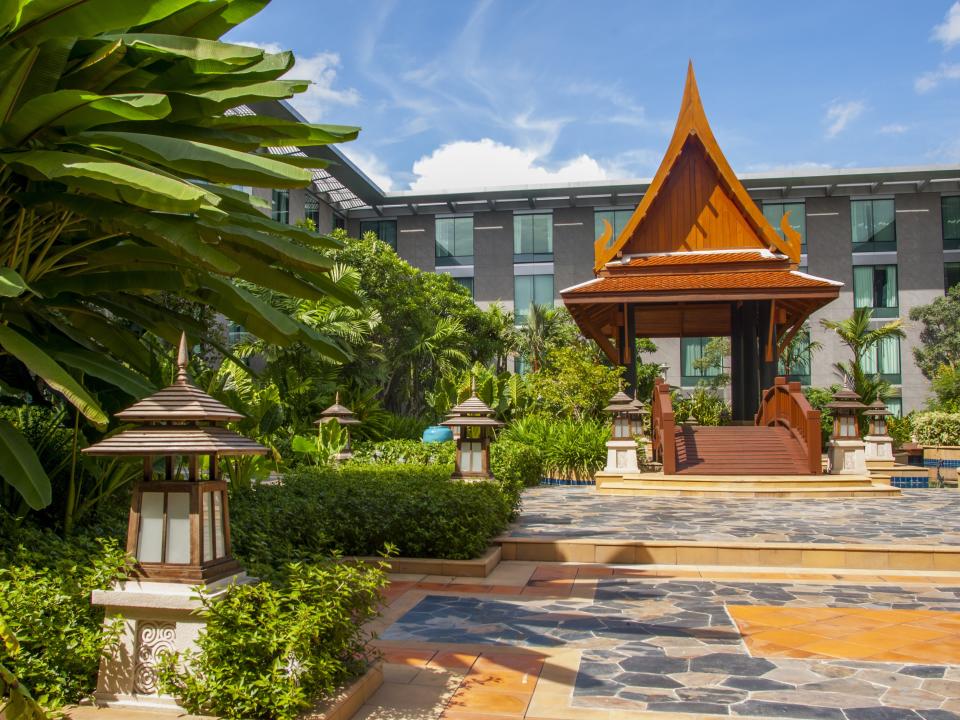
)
(181, 402)
(695, 201)
(176, 440)
(472, 411)
(343, 415)
(650, 284)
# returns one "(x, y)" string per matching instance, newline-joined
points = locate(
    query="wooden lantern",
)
(622, 408)
(845, 406)
(344, 417)
(475, 421)
(878, 414)
(638, 417)
(179, 526)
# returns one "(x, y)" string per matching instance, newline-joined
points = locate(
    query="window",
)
(799, 370)
(529, 289)
(691, 351)
(455, 241)
(311, 212)
(533, 237)
(774, 212)
(951, 274)
(884, 358)
(339, 223)
(950, 214)
(466, 282)
(617, 218)
(385, 230)
(873, 225)
(895, 405)
(281, 206)
(875, 286)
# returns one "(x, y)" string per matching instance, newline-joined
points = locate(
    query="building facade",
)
(890, 235)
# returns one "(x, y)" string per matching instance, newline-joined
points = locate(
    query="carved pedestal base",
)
(878, 447)
(621, 456)
(846, 457)
(156, 617)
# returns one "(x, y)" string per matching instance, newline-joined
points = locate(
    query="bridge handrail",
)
(785, 405)
(664, 423)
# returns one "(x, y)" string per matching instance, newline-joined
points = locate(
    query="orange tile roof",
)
(699, 258)
(753, 280)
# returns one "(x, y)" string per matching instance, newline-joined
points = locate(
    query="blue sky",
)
(501, 92)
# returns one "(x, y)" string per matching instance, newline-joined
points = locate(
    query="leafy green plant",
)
(16, 702)
(401, 452)
(704, 405)
(516, 463)
(570, 449)
(936, 428)
(940, 335)
(357, 510)
(120, 150)
(573, 382)
(322, 448)
(271, 650)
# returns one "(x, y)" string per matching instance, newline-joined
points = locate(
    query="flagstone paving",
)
(919, 517)
(586, 641)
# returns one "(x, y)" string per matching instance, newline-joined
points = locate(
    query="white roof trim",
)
(808, 276)
(580, 285)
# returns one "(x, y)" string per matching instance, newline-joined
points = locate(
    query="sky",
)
(453, 94)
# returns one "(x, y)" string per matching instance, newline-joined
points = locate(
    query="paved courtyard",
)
(922, 517)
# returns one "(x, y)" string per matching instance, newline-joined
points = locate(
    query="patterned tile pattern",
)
(919, 517)
(669, 645)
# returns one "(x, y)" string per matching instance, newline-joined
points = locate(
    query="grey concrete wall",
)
(572, 246)
(325, 224)
(493, 258)
(829, 248)
(416, 241)
(298, 197)
(920, 279)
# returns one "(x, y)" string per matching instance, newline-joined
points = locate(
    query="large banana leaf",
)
(209, 19)
(21, 468)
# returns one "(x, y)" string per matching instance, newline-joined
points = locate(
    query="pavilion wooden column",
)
(630, 376)
(768, 368)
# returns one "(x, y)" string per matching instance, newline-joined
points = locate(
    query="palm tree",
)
(502, 324)
(798, 352)
(545, 327)
(856, 333)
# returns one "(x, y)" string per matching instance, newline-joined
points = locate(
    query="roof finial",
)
(473, 385)
(182, 359)
(336, 399)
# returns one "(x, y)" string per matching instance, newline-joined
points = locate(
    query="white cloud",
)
(948, 32)
(929, 80)
(485, 162)
(371, 166)
(840, 114)
(321, 70)
(893, 129)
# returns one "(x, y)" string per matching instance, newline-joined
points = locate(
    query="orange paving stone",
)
(405, 656)
(920, 636)
(453, 661)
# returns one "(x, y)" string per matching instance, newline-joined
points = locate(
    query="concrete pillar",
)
(416, 241)
(493, 258)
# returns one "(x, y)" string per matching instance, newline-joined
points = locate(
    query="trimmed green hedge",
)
(936, 428)
(360, 510)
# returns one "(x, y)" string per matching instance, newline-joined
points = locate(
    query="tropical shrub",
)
(16, 702)
(269, 650)
(818, 399)
(402, 452)
(45, 586)
(570, 449)
(900, 429)
(936, 428)
(359, 510)
(704, 404)
(516, 463)
(574, 382)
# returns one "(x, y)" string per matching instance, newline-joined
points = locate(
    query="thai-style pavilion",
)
(698, 258)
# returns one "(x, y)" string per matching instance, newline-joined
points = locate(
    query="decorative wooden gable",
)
(695, 201)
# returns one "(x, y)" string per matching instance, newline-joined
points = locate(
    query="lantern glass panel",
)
(881, 426)
(218, 522)
(473, 432)
(207, 526)
(150, 542)
(471, 456)
(178, 528)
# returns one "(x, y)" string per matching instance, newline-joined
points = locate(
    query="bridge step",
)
(738, 450)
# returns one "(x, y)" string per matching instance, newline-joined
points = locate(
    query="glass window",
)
(385, 230)
(950, 213)
(875, 286)
(874, 228)
(951, 274)
(281, 206)
(529, 289)
(311, 211)
(895, 405)
(339, 223)
(617, 218)
(884, 358)
(466, 282)
(774, 212)
(533, 237)
(691, 351)
(454, 241)
(799, 369)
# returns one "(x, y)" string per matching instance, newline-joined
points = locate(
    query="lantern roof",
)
(472, 411)
(173, 414)
(181, 402)
(845, 399)
(621, 402)
(339, 413)
(877, 409)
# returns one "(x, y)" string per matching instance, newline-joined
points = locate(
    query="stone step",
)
(733, 489)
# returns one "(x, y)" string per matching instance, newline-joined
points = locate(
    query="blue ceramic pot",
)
(437, 433)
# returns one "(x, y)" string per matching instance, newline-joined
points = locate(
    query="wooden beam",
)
(608, 349)
(768, 354)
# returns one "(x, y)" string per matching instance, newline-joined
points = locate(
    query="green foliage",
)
(516, 464)
(322, 448)
(715, 352)
(940, 336)
(647, 373)
(900, 429)
(818, 399)
(946, 388)
(570, 449)
(502, 392)
(358, 510)
(704, 405)
(16, 702)
(936, 428)
(404, 452)
(545, 328)
(45, 586)
(574, 382)
(269, 650)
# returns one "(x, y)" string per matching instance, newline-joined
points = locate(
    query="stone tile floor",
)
(922, 517)
(587, 641)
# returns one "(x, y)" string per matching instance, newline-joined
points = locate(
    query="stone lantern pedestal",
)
(155, 617)
(621, 447)
(845, 451)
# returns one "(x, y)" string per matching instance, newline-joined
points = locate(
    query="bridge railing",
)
(785, 405)
(664, 423)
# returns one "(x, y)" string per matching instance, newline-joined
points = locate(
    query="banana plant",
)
(125, 130)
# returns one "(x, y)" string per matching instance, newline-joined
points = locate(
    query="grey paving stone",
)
(732, 664)
(881, 713)
(785, 710)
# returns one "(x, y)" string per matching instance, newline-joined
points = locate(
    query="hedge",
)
(936, 428)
